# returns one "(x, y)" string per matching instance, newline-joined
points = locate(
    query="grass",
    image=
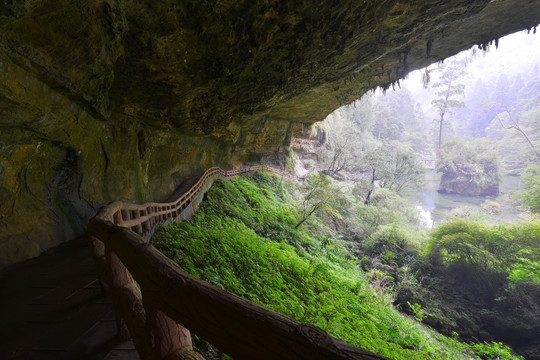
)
(243, 240)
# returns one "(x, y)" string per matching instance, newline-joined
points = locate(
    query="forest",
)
(413, 226)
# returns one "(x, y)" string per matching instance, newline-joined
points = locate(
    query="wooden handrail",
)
(152, 295)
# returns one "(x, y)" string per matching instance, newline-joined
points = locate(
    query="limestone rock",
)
(466, 185)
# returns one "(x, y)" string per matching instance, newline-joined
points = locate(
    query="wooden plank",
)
(122, 355)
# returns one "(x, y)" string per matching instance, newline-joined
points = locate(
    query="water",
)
(434, 207)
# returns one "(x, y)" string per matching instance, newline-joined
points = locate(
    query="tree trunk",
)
(308, 215)
(443, 112)
(368, 196)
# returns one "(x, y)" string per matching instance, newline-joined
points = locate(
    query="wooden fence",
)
(154, 298)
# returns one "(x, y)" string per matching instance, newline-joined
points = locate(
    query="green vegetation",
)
(513, 110)
(319, 197)
(467, 279)
(449, 91)
(244, 239)
(531, 194)
(345, 249)
(481, 281)
(511, 252)
(469, 167)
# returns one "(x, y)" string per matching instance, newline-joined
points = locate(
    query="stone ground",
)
(52, 307)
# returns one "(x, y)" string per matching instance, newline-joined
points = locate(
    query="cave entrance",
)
(478, 109)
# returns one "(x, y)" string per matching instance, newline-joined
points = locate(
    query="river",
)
(435, 207)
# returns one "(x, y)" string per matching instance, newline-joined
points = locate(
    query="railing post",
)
(119, 277)
(98, 253)
(169, 340)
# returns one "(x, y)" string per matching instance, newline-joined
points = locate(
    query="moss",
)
(140, 195)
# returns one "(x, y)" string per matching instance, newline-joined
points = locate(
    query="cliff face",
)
(106, 100)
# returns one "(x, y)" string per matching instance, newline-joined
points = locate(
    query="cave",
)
(105, 100)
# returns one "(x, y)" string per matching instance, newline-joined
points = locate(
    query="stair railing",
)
(154, 298)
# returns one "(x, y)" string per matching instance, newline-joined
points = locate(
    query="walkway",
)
(51, 307)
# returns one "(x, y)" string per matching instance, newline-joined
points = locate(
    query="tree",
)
(339, 155)
(319, 196)
(514, 128)
(407, 170)
(394, 112)
(347, 134)
(450, 91)
(507, 121)
(393, 167)
(375, 167)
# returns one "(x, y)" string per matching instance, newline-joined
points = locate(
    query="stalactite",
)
(405, 56)
(429, 44)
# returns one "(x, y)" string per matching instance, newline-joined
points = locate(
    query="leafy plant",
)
(417, 311)
(495, 350)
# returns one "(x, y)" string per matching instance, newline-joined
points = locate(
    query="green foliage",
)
(482, 279)
(386, 207)
(387, 236)
(417, 311)
(474, 161)
(486, 351)
(495, 350)
(531, 194)
(393, 167)
(512, 250)
(243, 240)
(346, 132)
(385, 131)
(398, 120)
(514, 111)
(462, 242)
(320, 197)
(525, 269)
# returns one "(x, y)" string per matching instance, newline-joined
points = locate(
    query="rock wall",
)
(103, 100)
(467, 186)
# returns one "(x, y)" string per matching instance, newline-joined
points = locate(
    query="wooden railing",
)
(152, 295)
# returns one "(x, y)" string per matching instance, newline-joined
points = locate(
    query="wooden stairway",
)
(52, 307)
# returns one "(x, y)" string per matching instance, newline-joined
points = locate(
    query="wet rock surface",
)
(466, 185)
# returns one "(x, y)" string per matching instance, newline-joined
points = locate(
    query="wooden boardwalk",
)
(157, 302)
(51, 307)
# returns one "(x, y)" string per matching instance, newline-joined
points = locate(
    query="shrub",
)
(531, 193)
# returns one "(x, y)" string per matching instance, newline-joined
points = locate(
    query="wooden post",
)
(169, 340)
(119, 277)
(98, 253)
